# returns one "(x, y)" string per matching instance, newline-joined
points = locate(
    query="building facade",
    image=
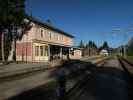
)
(90, 51)
(104, 52)
(43, 42)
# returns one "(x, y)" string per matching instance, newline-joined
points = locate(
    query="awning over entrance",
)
(58, 52)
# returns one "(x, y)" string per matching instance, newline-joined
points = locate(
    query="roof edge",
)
(48, 26)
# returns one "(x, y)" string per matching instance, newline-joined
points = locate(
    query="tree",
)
(11, 19)
(81, 44)
(104, 46)
(91, 44)
(130, 47)
(7, 44)
(17, 17)
(2, 47)
(94, 45)
(130, 43)
(91, 48)
(3, 24)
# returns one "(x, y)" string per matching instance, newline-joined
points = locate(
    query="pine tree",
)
(94, 45)
(81, 44)
(104, 46)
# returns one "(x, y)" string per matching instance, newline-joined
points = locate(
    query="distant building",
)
(90, 51)
(43, 42)
(76, 53)
(104, 52)
(123, 50)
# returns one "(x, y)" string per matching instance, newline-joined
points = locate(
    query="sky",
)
(97, 20)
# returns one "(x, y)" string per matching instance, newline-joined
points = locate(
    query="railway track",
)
(126, 65)
(128, 68)
(79, 89)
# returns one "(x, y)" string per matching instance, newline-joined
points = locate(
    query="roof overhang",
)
(46, 25)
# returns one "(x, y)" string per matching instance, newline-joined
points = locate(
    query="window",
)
(46, 51)
(50, 35)
(41, 33)
(46, 34)
(36, 50)
(41, 50)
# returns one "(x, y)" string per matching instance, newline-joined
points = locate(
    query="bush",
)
(130, 51)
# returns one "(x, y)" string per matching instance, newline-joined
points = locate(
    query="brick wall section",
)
(24, 49)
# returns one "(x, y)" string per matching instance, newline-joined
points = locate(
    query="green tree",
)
(94, 45)
(91, 44)
(130, 47)
(104, 46)
(81, 44)
(11, 20)
(3, 23)
(87, 45)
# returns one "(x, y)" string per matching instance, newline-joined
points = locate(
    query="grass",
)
(90, 58)
(130, 58)
(95, 58)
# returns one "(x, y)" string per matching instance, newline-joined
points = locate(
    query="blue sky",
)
(97, 20)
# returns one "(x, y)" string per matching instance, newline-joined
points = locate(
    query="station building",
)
(43, 42)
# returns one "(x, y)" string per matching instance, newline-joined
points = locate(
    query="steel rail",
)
(77, 90)
(124, 66)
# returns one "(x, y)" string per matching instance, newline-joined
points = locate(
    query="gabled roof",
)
(44, 24)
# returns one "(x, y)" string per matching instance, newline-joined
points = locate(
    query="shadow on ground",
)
(107, 84)
(104, 83)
